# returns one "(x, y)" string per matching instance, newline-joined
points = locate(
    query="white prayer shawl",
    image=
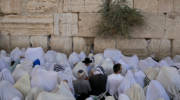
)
(139, 77)
(82, 56)
(155, 91)
(113, 82)
(73, 59)
(50, 56)
(5, 74)
(108, 66)
(132, 62)
(35, 53)
(127, 82)
(123, 97)
(136, 92)
(99, 58)
(16, 54)
(52, 96)
(152, 72)
(146, 63)
(79, 66)
(46, 80)
(114, 54)
(33, 94)
(8, 92)
(170, 79)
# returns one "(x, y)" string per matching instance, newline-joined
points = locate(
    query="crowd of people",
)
(31, 74)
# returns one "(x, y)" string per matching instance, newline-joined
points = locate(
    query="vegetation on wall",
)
(1, 13)
(118, 18)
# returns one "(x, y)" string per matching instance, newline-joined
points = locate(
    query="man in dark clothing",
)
(98, 82)
(81, 86)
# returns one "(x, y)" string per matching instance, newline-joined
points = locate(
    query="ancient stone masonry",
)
(70, 25)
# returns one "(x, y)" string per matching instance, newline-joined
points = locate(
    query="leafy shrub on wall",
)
(118, 18)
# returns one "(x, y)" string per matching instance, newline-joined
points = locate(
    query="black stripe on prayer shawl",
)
(146, 81)
(101, 68)
(58, 68)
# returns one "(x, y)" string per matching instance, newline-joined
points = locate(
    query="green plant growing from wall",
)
(1, 13)
(118, 18)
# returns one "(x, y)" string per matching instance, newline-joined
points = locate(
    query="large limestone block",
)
(42, 6)
(60, 6)
(176, 6)
(173, 27)
(165, 6)
(153, 27)
(132, 46)
(19, 41)
(74, 5)
(82, 44)
(130, 3)
(82, 5)
(62, 44)
(27, 25)
(68, 24)
(100, 44)
(11, 6)
(68, 18)
(150, 6)
(39, 41)
(88, 24)
(176, 47)
(65, 24)
(4, 42)
(160, 47)
(93, 5)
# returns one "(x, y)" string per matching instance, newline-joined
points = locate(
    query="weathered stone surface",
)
(11, 6)
(82, 5)
(62, 44)
(160, 47)
(176, 47)
(165, 6)
(68, 24)
(150, 6)
(153, 27)
(56, 24)
(176, 6)
(74, 5)
(65, 24)
(82, 44)
(39, 41)
(4, 42)
(88, 24)
(172, 28)
(42, 6)
(93, 5)
(130, 3)
(60, 6)
(27, 25)
(102, 43)
(19, 41)
(132, 46)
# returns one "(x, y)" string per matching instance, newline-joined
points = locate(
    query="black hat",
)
(87, 60)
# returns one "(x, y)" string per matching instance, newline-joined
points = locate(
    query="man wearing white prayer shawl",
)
(114, 80)
(155, 91)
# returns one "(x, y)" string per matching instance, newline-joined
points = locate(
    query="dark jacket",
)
(98, 84)
(82, 89)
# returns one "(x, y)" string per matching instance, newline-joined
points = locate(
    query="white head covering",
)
(98, 71)
(16, 98)
(81, 74)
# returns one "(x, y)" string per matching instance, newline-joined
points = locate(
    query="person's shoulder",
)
(120, 76)
(111, 75)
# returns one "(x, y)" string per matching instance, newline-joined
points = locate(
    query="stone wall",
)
(69, 25)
